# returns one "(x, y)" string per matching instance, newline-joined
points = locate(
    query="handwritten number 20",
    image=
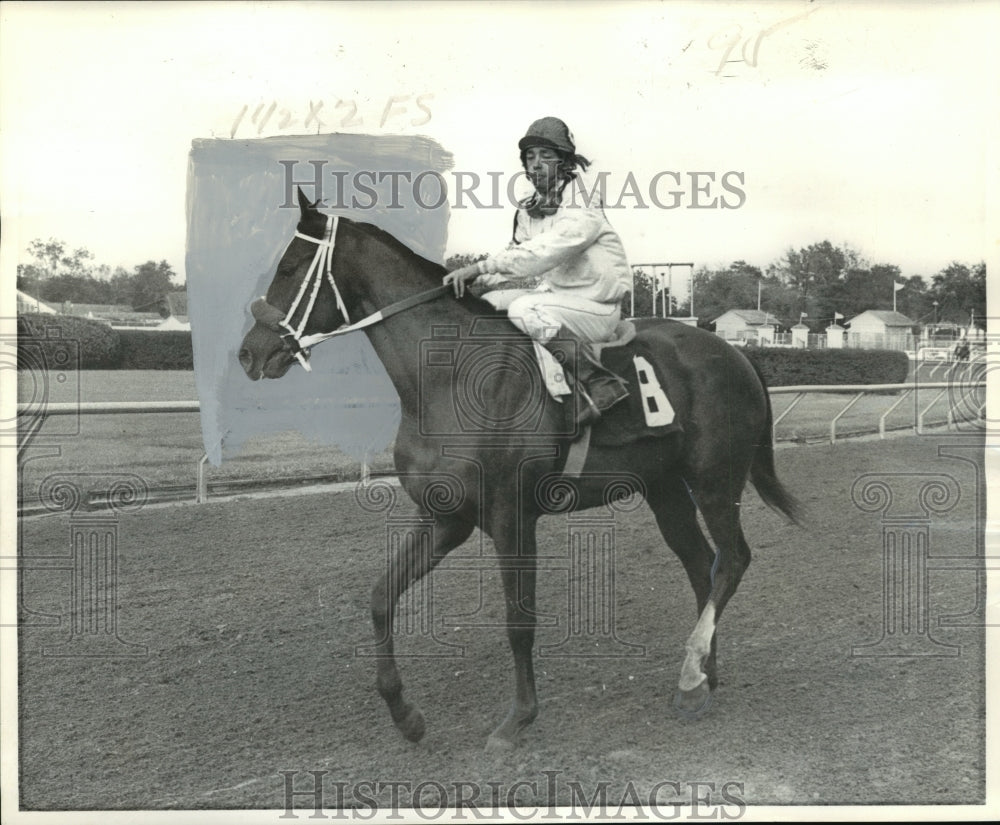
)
(728, 38)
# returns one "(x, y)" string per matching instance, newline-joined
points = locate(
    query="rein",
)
(322, 266)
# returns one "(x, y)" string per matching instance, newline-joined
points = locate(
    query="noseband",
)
(322, 266)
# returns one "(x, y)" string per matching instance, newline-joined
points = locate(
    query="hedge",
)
(143, 349)
(69, 342)
(790, 367)
(101, 347)
(66, 342)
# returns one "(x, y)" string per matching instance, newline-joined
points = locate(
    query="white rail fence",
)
(859, 391)
(965, 392)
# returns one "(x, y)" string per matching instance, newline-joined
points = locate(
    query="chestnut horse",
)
(336, 271)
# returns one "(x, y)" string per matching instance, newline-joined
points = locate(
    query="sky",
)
(864, 124)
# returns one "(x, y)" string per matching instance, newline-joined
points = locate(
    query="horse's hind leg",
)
(677, 519)
(410, 564)
(721, 510)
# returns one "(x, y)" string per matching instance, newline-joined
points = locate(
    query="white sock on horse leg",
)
(699, 645)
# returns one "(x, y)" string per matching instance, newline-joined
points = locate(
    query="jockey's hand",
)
(460, 277)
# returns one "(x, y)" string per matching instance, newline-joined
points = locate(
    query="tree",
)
(57, 275)
(651, 290)
(960, 291)
(816, 267)
(915, 301)
(54, 259)
(149, 287)
(29, 276)
(643, 288)
(736, 287)
(815, 273)
(120, 286)
(48, 254)
(77, 289)
(864, 288)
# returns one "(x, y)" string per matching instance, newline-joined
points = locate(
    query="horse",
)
(335, 269)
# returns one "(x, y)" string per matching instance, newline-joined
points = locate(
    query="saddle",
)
(647, 412)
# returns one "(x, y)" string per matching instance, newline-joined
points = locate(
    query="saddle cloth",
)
(647, 412)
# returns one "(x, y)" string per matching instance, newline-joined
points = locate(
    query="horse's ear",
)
(303, 201)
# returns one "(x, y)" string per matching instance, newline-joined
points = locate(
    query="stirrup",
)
(617, 392)
(587, 412)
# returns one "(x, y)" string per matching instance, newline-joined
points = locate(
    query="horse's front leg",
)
(516, 556)
(410, 564)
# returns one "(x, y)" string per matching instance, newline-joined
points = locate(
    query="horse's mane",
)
(425, 265)
(432, 272)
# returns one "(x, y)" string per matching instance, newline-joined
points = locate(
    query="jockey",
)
(566, 242)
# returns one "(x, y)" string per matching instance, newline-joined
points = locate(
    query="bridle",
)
(320, 268)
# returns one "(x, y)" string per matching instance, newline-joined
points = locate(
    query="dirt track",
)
(252, 611)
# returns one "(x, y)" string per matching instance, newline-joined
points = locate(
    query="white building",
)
(880, 329)
(742, 325)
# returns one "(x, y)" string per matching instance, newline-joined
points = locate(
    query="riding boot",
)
(597, 388)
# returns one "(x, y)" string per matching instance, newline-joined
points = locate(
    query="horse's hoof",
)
(694, 703)
(498, 744)
(413, 727)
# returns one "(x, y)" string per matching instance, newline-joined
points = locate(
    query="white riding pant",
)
(541, 313)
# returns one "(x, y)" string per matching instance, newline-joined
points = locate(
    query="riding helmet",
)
(550, 132)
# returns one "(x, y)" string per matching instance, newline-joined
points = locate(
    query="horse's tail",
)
(762, 472)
